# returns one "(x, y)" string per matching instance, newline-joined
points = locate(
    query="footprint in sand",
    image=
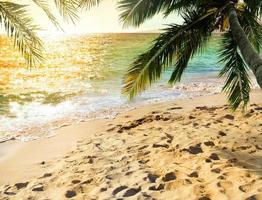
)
(221, 177)
(169, 177)
(160, 146)
(195, 149)
(87, 181)
(169, 138)
(38, 188)
(229, 117)
(159, 187)
(199, 189)
(193, 175)
(255, 197)
(119, 189)
(258, 108)
(216, 170)
(204, 198)
(222, 134)
(209, 144)
(75, 181)
(143, 147)
(155, 112)
(132, 192)
(175, 108)
(146, 196)
(104, 189)
(214, 156)
(152, 177)
(46, 175)
(70, 194)
(225, 186)
(21, 185)
(247, 187)
(8, 192)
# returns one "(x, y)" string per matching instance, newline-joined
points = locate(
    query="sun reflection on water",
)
(74, 67)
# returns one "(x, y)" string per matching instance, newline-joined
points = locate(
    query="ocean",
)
(81, 79)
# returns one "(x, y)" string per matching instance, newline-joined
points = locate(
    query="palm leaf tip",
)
(88, 3)
(68, 9)
(135, 12)
(13, 17)
(237, 84)
(135, 81)
(252, 28)
(43, 4)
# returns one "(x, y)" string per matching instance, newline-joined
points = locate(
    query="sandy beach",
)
(186, 149)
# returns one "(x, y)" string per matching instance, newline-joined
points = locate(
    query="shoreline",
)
(27, 161)
(26, 131)
(13, 147)
(47, 129)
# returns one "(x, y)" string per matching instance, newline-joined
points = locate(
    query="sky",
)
(103, 18)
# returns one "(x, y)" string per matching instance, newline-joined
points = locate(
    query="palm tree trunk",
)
(248, 52)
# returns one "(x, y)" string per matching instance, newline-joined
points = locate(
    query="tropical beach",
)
(131, 99)
(37, 99)
(184, 149)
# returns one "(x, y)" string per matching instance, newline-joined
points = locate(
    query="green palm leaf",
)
(89, 3)
(254, 6)
(148, 67)
(195, 39)
(135, 12)
(181, 6)
(68, 9)
(43, 4)
(14, 19)
(237, 82)
(252, 28)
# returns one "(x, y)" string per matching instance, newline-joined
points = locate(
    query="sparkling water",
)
(81, 79)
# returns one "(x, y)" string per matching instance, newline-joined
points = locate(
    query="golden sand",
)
(188, 149)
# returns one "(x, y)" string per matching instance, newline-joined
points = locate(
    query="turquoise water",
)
(81, 78)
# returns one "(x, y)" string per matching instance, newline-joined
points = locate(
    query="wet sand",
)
(186, 149)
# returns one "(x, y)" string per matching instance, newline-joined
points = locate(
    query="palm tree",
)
(241, 41)
(20, 26)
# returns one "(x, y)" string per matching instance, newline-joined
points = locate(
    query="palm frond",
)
(254, 6)
(180, 6)
(148, 67)
(68, 9)
(135, 12)
(43, 4)
(89, 3)
(252, 28)
(195, 39)
(14, 19)
(237, 79)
